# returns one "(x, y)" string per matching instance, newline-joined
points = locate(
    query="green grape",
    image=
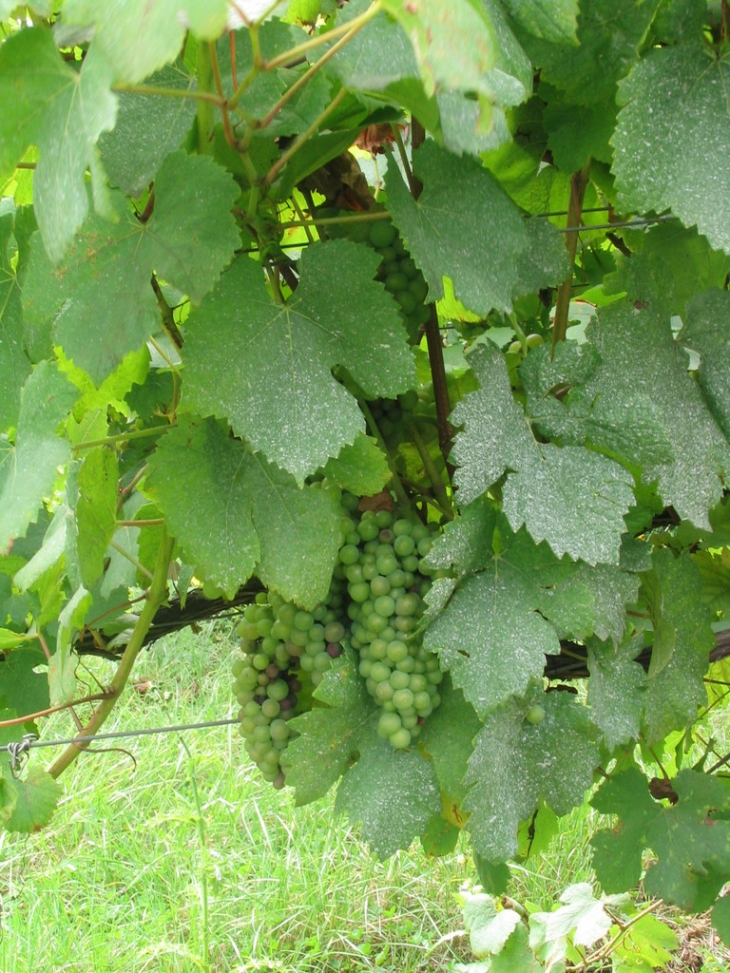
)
(382, 234)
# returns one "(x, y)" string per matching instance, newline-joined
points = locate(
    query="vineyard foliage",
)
(407, 323)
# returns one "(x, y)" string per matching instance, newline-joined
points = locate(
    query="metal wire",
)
(17, 749)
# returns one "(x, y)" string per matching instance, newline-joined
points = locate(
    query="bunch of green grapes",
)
(283, 648)
(387, 579)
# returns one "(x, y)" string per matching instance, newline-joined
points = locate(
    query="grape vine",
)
(402, 329)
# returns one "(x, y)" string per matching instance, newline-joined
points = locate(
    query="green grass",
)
(189, 853)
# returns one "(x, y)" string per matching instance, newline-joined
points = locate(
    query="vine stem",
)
(206, 114)
(156, 594)
(53, 709)
(578, 186)
(433, 337)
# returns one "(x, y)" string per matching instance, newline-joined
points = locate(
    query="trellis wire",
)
(19, 748)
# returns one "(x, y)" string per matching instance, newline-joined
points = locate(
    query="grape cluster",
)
(283, 648)
(397, 271)
(375, 601)
(387, 579)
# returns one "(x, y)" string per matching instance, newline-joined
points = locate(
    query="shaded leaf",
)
(362, 468)
(14, 364)
(100, 297)
(28, 468)
(707, 331)
(147, 128)
(138, 37)
(63, 112)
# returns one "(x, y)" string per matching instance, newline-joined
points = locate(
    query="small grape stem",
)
(130, 557)
(156, 594)
(147, 89)
(578, 187)
(439, 490)
(206, 107)
(335, 220)
(122, 437)
(227, 131)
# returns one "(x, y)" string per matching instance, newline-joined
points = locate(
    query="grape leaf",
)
(138, 37)
(570, 497)
(707, 331)
(516, 955)
(690, 839)
(148, 127)
(581, 914)
(14, 364)
(551, 20)
(63, 112)
(515, 763)
(100, 297)
(447, 738)
(299, 532)
(616, 690)
(362, 468)
(459, 125)
(454, 43)
(577, 133)
(668, 265)
(28, 469)
(379, 54)
(682, 621)
(491, 635)
(20, 685)
(198, 458)
(640, 340)
(609, 35)
(544, 262)
(36, 798)
(252, 515)
(330, 735)
(488, 929)
(95, 509)
(392, 794)
(461, 201)
(630, 430)
(674, 118)
(267, 366)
